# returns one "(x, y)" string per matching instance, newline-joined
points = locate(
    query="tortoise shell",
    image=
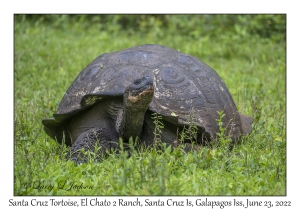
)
(182, 83)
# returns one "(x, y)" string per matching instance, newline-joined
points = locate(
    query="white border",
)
(8, 8)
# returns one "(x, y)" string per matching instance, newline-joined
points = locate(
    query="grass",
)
(47, 58)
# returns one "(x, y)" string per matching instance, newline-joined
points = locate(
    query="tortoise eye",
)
(137, 82)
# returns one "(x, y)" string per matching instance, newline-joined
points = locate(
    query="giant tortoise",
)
(116, 95)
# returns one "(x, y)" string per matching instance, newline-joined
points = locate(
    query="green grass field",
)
(248, 52)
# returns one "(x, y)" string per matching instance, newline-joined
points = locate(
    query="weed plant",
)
(247, 51)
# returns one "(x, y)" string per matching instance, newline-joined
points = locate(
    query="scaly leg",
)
(90, 141)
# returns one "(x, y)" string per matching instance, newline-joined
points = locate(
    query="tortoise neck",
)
(133, 116)
(133, 120)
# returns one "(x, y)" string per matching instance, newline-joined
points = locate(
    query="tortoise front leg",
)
(94, 140)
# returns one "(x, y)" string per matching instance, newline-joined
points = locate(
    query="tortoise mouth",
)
(145, 93)
(141, 90)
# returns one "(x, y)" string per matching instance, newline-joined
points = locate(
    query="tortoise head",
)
(140, 92)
